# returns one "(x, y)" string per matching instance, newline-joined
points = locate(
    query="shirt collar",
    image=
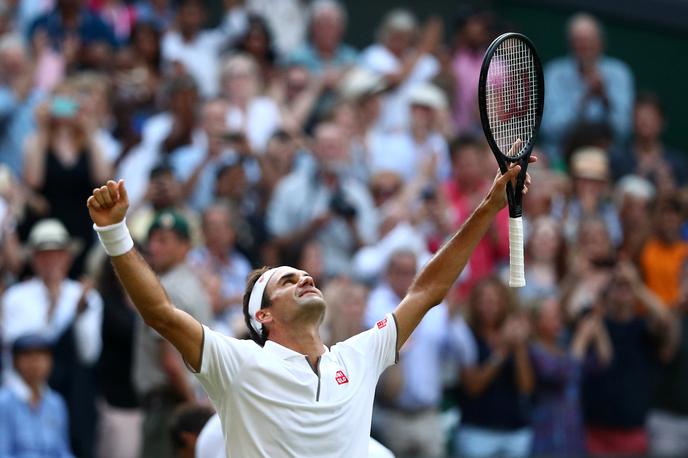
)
(20, 389)
(283, 352)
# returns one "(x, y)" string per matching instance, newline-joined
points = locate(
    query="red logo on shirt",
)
(341, 378)
(382, 323)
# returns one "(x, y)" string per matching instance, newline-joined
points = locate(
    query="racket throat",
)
(515, 204)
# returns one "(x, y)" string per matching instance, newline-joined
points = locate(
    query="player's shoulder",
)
(361, 342)
(244, 346)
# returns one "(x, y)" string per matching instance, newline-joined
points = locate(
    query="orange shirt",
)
(661, 266)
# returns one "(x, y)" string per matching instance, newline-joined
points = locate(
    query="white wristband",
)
(115, 238)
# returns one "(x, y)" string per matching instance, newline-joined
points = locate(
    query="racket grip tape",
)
(517, 277)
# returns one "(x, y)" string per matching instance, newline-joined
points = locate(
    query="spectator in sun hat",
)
(591, 179)
(406, 151)
(50, 302)
(160, 377)
(357, 112)
(67, 312)
(34, 417)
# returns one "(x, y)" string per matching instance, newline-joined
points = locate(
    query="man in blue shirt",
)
(325, 53)
(18, 101)
(586, 86)
(71, 18)
(33, 418)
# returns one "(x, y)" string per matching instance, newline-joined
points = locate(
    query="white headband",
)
(255, 300)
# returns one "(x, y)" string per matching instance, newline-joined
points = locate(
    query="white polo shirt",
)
(273, 404)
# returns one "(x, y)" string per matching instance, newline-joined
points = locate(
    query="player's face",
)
(294, 296)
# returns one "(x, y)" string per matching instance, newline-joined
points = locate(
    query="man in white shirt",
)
(50, 303)
(407, 152)
(66, 312)
(289, 395)
(197, 50)
(402, 62)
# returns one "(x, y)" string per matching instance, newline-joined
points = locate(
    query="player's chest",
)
(295, 380)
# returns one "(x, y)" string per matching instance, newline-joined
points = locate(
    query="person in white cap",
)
(50, 303)
(411, 150)
(68, 313)
(286, 393)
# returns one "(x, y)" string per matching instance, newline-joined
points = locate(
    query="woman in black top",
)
(64, 162)
(495, 392)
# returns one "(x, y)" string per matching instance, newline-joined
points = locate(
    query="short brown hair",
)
(253, 277)
(506, 296)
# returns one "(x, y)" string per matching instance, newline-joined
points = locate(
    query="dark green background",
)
(657, 55)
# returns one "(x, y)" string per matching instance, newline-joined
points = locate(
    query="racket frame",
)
(513, 194)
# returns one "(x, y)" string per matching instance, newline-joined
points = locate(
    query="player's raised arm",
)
(434, 280)
(108, 206)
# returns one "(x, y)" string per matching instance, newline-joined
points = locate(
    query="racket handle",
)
(517, 276)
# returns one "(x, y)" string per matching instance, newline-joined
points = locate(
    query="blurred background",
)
(344, 138)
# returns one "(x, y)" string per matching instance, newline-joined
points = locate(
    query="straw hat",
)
(50, 234)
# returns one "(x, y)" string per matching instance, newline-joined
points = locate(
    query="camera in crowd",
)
(341, 206)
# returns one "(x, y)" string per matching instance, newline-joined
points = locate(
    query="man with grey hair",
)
(586, 86)
(324, 53)
(403, 57)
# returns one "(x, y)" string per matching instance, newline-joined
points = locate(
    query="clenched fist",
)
(108, 204)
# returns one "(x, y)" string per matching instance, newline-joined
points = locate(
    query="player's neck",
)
(304, 340)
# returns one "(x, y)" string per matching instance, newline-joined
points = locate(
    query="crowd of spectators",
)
(269, 140)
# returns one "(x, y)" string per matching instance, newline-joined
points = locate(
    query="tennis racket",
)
(511, 93)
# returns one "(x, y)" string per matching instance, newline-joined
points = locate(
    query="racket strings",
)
(512, 95)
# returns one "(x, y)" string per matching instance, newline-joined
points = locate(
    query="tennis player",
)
(287, 394)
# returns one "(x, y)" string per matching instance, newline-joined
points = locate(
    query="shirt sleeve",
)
(6, 430)
(221, 360)
(379, 343)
